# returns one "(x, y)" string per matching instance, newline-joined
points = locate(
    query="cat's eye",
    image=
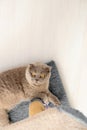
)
(42, 76)
(33, 74)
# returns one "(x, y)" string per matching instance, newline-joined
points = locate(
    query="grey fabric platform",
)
(56, 87)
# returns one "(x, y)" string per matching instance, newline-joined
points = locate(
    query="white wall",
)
(41, 30)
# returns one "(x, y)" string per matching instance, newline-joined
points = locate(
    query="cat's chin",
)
(37, 84)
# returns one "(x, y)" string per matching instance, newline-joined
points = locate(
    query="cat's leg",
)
(4, 120)
(48, 97)
(52, 98)
(42, 96)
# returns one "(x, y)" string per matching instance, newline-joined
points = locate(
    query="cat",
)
(24, 83)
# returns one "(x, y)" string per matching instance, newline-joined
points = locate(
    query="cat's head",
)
(38, 73)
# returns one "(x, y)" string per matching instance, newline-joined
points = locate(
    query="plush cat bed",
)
(21, 111)
(56, 87)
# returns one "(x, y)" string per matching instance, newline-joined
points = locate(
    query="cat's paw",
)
(56, 102)
(46, 100)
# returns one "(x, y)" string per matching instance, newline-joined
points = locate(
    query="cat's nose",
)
(37, 79)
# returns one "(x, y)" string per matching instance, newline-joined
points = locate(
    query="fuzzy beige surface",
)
(51, 119)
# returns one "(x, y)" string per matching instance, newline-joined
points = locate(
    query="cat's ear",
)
(48, 69)
(31, 66)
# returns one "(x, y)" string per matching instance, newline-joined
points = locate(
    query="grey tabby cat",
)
(24, 83)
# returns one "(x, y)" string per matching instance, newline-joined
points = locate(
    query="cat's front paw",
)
(56, 102)
(46, 100)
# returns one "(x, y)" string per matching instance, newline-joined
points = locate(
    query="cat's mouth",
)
(37, 84)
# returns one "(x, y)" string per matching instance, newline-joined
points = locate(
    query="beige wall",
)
(41, 30)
